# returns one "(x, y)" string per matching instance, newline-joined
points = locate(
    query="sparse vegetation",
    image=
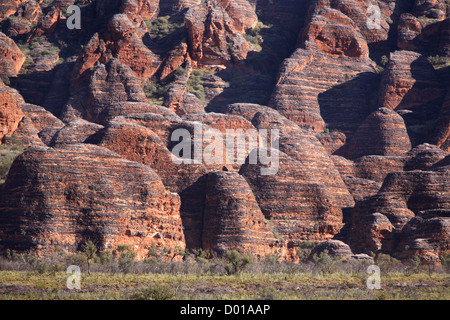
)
(383, 61)
(154, 292)
(156, 91)
(205, 276)
(304, 250)
(439, 62)
(37, 48)
(126, 258)
(9, 150)
(90, 251)
(195, 83)
(166, 30)
(236, 261)
(254, 37)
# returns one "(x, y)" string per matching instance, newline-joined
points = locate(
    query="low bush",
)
(154, 292)
(166, 30)
(9, 151)
(438, 61)
(196, 81)
(236, 261)
(126, 258)
(254, 36)
(304, 249)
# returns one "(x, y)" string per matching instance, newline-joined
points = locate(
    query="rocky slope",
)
(339, 117)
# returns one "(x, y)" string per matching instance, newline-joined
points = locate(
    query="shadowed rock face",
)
(232, 217)
(307, 74)
(409, 81)
(425, 28)
(442, 135)
(141, 144)
(86, 193)
(332, 51)
(76, 131)
(360, 116)
(41, 118)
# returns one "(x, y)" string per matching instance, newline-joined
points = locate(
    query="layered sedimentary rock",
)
(424, 157)
(335, 34)
(369, 167)
(226, 139)
(403, 196)
(376, 168)
(27, 134)
(86, 193)
(146, 9)
(215, 31)
(344, 130)
(246, 110)
(361, 188)
(126, 108)
(124, 41)
(298, 208)
(110, 83)
(11, 58)
(141, 144)
(372, 232)
(409, 81)
(232, 217)
(146, 138)
(304, 147)
(127, 45)
(338, 249)
(161, 124)
(309, 79)
(333, 51)
(40, 117)
(332, 141)
(76, 131)
(425, 236)
(178, 98)
(10, 113)
(7, 8)
(424, 28)
(22, 22)
(364, 14)
(382, 133)
(334, 248)
(441, 136)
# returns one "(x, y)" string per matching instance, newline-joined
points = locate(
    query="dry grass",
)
(24, 277)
